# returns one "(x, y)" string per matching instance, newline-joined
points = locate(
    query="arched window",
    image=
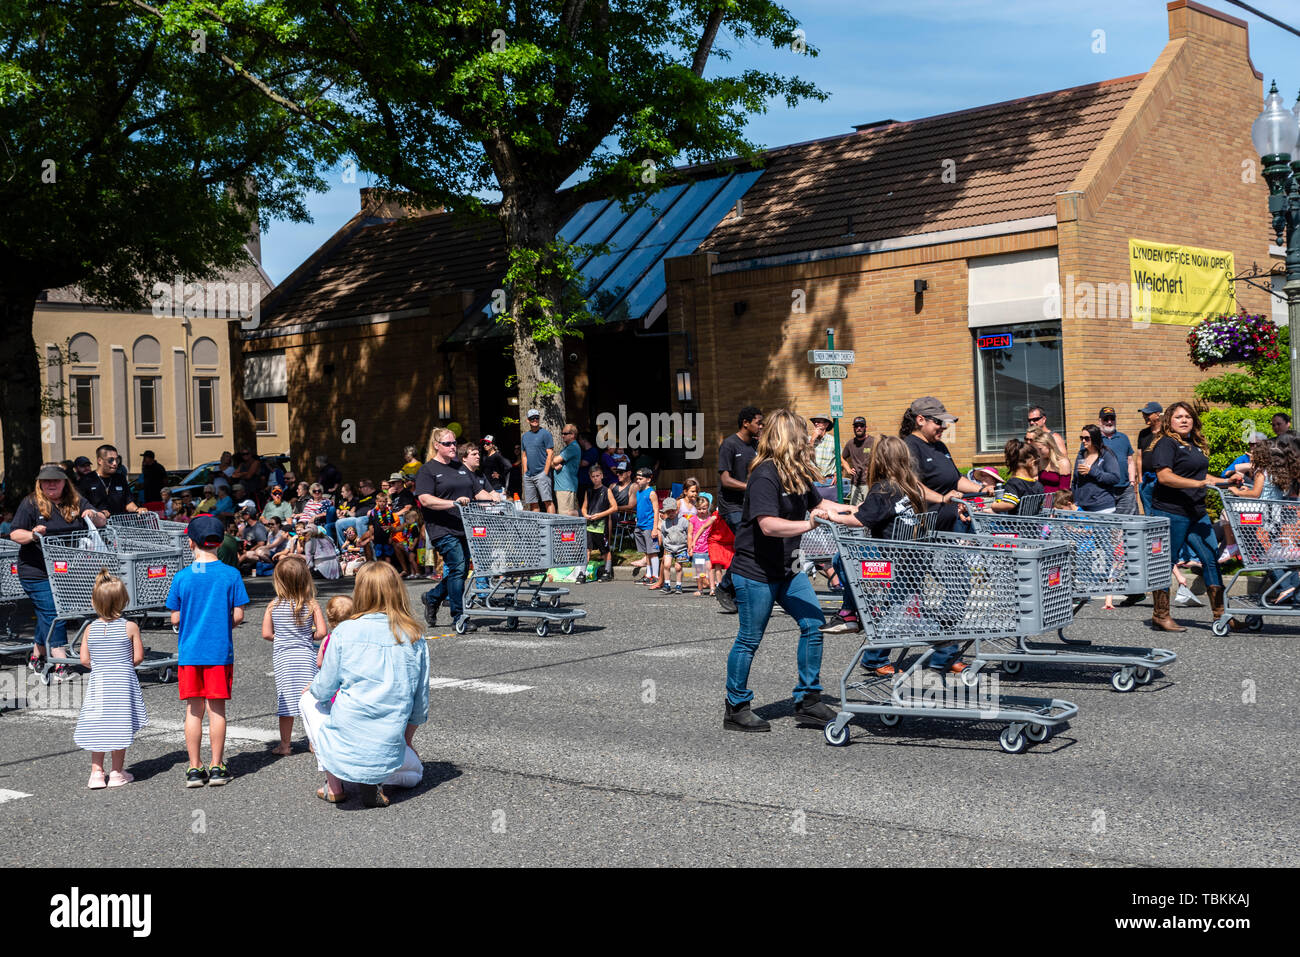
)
(205, 352)
(84, 349)
(146, 351)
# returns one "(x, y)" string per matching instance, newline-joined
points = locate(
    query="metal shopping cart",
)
(11, 592)
(74, 560)
(1028, 504)
(1268, 534)
(1113, 555)
(148, 527)
(512, 551)
(949, 587)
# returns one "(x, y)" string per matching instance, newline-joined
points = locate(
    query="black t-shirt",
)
(760, 557)
(153, 478)
(451, 481)
(1017, 488)
(404, 499)
(497, 469)
(734, 456)
(884, 504)
(597, 500)
(106, 494)
(1186, 461)
(31, 560)
(1144, 439)
(933, 464)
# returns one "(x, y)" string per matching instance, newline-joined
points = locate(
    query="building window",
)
(205, 405)
(1011, 380)
(263, 418)
(148, 394)
(85, 404)
(205, 352)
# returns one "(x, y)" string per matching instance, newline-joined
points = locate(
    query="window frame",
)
(266, 427)
(156, 381)
(213, 382)
(1015, 329)
(74, 419)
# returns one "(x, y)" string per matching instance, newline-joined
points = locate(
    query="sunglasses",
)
(1037, 418)
(446, 443)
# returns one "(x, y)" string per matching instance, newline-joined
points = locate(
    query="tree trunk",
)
(20, 394)
(530, 223)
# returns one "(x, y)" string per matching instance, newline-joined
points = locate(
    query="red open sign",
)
(1000, 341)
(479, 532)
(877, 571)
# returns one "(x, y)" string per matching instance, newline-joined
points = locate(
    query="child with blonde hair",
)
(337, 609)
(294, 621)
(113, 709)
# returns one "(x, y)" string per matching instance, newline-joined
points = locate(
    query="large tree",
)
(450, 101)
(131, 153)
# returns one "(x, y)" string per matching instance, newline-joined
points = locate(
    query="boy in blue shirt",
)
(206, 600)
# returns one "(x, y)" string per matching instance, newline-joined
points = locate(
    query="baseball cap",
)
(667, 505)
(50, 473)
(818, 415)
(859, 420)
(1151, 407)
(489, 438)
(932, 408)
(276, 490)
(396, 476)
(533, 414)
(648, 473)
(1106, 412)
(249, 504)
(147, 454)
(206, 530)
(79, 461)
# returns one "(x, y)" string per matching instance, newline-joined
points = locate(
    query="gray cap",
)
(669, 504)
(50, 473)
(932, 408)
(1151, 407)
(817, 415)
(533, 414)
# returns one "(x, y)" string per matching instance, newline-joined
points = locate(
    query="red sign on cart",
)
(1252, 518)
(13, 568)
(60, 567)
(877, 571)
(479, 531)
(156, 571)
(1157, 546)
(566, 536)
(1053, 577)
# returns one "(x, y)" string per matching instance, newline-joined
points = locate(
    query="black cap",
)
(859, 421)
(645, 472)
(147, 454)
(206, 530)
(1107, 412)
(79, 461)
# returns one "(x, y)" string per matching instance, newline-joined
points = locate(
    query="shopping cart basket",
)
(512, 551)
(11, 592)
(1268, 535)
(147, 527)
(1113, 555)
(919, 594)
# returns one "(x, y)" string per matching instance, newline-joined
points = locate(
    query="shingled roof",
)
(1009, 161)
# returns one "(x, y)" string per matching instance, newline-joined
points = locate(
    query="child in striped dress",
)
(294, 622)
(113, 709)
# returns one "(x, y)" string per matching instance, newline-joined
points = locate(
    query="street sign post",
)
(832, 372)
(821, 357)
(830, 363)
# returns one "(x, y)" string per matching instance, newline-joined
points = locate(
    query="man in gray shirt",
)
(538, 448)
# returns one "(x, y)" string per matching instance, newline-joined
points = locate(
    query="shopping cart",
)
(1268, 534)
(948, 588)
(74, 560)
(1028, 504)
(11, 592)
(512, 551)
(146, 526)
(1113, 555)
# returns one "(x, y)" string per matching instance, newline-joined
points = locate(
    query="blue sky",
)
(904, 59)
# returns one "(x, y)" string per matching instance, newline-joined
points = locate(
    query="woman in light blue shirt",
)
(376, 670)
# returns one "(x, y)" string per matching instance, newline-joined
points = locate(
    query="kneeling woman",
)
(780, 493)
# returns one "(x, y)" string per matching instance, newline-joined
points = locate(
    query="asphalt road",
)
(605, 747)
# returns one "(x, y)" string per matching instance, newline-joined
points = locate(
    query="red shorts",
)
(205, 681)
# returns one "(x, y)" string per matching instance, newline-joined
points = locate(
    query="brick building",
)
(911, 240)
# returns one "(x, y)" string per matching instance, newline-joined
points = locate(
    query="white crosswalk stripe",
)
(474, 684)
(7, 795)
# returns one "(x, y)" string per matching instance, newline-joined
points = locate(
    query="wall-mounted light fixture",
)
(444, 406)
(919, 286)
(684, 386)
(739, 308)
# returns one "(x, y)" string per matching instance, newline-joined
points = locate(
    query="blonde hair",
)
(786, 443)
(69, 503)
(293, 586)
(432, 451)
(379, 590)
(1056, 460)
(109, 597)
(337, 609)
(891, 463)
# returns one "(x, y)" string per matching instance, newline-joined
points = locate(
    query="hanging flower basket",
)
(1225, 339)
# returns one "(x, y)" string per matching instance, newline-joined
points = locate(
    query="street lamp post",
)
(1276, 136)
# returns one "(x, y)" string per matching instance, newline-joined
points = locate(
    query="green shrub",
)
(1265, 382)
(1226, 431)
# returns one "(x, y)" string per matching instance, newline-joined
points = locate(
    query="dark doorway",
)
(625, 370)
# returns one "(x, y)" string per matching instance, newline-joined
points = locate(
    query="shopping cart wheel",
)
(1220, 627)
(1038, 732)
(1144, 676)
(555, 601)
(166, 675)
(1012, 667)
(889, 720)
(1012, 744)
(542, 628)
(461, 624)
(512, 623)
(1255, 622)
(970, 677)
(836, 737)
(1122, 681)
(567, 626)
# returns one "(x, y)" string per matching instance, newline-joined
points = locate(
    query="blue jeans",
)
(42, 597)
(343, 524)
(754, 601)
(451, 588)
(1197, 535)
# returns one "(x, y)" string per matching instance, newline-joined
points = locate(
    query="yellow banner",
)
(1179, 285)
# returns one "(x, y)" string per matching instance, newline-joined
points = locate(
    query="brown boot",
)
(1160, 617)
(1215, 593)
